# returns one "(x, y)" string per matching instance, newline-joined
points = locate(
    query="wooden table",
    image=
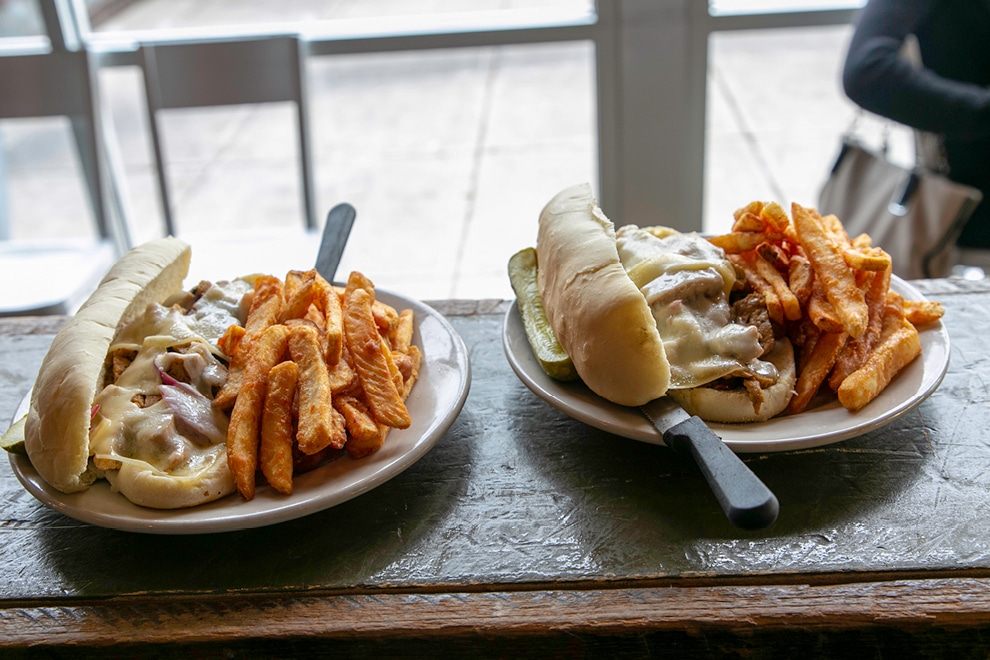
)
(524, 531)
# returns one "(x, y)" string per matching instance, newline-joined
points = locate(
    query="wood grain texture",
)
(942, 608)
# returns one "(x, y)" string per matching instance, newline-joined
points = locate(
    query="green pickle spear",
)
(552, 358)
(13, 439)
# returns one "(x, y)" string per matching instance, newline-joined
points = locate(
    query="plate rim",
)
(578, 402)
(455, 370)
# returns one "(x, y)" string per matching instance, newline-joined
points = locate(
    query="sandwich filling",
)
(164, 370)
(686, 282)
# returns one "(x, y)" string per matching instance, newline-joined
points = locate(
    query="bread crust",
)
(601, 319)
(56, 432)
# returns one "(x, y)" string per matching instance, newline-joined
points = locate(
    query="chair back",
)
(61, 83)
(227, 71)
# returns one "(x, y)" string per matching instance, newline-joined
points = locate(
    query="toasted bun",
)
(601, 319)
(735, 406)
(148, 488)
(56, 433)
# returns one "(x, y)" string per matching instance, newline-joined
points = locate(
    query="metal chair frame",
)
(226, 71)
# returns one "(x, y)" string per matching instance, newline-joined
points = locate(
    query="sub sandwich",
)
(125, 391)
(644, 313)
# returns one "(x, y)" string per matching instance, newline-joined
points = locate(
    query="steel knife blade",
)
(745, 499)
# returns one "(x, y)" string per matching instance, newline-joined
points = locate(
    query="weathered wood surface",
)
(525, 525)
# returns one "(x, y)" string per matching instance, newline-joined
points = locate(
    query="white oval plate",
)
(824, 421)
(433, 403)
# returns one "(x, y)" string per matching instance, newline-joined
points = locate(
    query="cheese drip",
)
(686, 281)
(134, 422)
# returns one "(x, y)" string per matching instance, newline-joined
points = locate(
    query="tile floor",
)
(448, 156)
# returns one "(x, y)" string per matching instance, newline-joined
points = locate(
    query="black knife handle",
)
(746, 501)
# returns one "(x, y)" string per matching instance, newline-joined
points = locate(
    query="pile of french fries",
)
(316, 370)
(832, 295)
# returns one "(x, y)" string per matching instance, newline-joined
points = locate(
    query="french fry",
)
(343, 378)
(922, 312)
(826, 258)
(800, 277)
(838, 309)
(365, 435)
(265, 310)
(231, 339)
(277, 429)
(816, 368)
(333, 321)
(303, 293)
(371, 362)
(336, 390)
(899, 345)
(749, 222)
(756, 281)
(318, 427)
(753, 208)
(820, 310)
(734, 243)
(402, 337)
(788, 301)
(871, 259)
(245, 419)
(775, 217)
(775, 255)
(857, 350)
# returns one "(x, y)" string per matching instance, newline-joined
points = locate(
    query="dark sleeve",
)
(878, 80)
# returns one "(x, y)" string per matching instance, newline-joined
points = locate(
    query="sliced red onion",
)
(195, 410)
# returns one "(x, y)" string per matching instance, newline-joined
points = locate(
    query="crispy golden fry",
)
(317, 425)
(816, 368)
(231, 339)
(920, 312)
(856, 350)
(756, 281)
(870, 259)
(862, 241)
(788, 301)
(415, 359)
(830, 267)
(753, 208)
(265, 310)
(343, 378)
(277, 428)
(333, 321)
(245, 419)
(294, 279)
(899, 345)
(800, 277)
(402, 337)
(303, 294)
(337, 390)
(357, 280)
(371, 360)
(734, 243)
(820, 311)
(775, 255)
(833, 226)
(749, 222)
(775, 218)
(364, 434)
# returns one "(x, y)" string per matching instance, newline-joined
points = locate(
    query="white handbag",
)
(913, 214)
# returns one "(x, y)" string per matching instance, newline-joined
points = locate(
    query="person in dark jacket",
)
(948, 95)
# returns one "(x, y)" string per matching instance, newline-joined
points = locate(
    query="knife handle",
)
(746, 501)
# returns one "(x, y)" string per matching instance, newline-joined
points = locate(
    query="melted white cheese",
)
(686, 281)
(123, 431)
